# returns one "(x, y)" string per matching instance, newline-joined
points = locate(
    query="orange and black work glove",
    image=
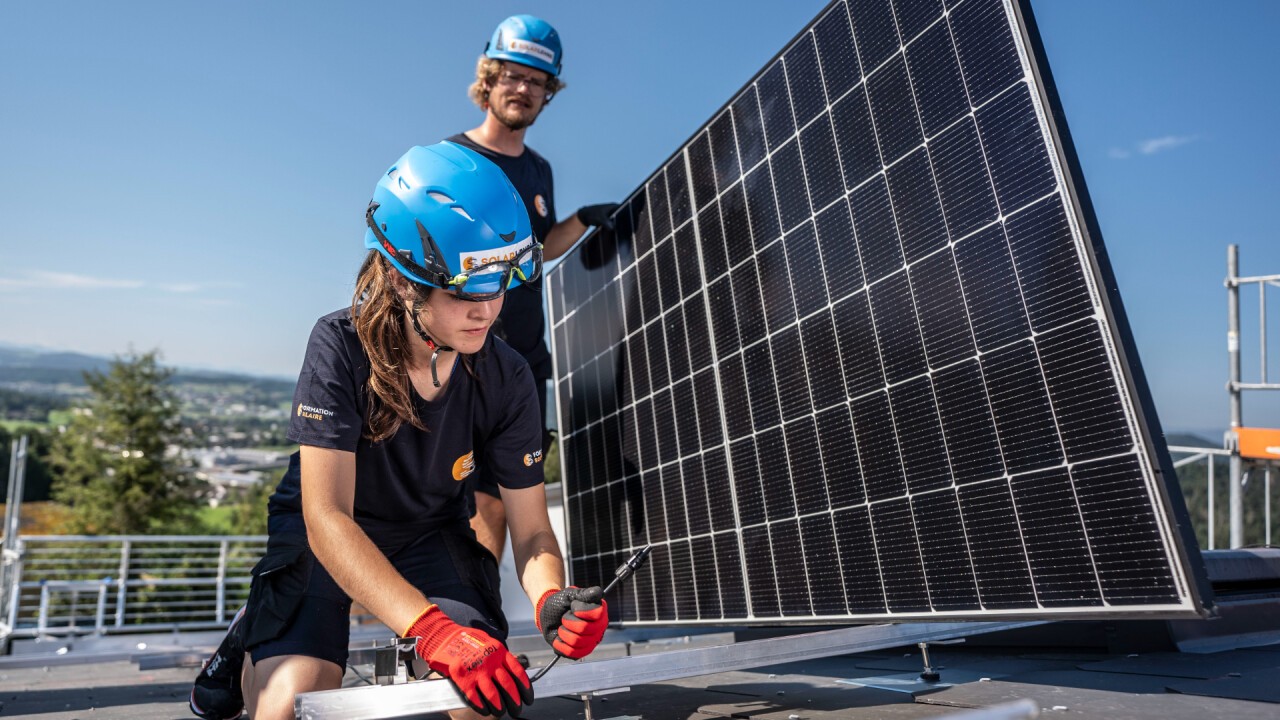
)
(573, 620)
(489, 679)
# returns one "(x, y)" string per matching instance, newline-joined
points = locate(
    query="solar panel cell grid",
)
(844, 355)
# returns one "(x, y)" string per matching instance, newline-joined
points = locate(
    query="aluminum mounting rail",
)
(416, 698)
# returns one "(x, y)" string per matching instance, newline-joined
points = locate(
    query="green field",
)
(15, 427)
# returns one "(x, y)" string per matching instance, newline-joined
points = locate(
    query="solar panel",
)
(854, 352)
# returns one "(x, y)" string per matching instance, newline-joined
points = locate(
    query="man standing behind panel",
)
(516, 78)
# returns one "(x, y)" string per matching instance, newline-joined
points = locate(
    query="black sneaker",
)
(216, 694)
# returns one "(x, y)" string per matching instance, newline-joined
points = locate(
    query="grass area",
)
(15, 427)
(56, 418)
(216, 520)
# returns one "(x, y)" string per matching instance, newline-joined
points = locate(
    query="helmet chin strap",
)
(436, 348)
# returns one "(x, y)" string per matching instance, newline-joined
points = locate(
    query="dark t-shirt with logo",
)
(521, 323)
(413, 481)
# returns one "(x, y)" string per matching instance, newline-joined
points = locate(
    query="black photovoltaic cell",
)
(850, 353)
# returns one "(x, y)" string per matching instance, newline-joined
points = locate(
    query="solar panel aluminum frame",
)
(1179, 544)
(1167, 490)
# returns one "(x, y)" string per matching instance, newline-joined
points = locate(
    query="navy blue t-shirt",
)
(522, 323)
(413, 481)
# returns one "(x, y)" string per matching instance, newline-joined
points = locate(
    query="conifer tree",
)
(116, 465)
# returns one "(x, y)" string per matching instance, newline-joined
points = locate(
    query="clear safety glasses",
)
(482, 278)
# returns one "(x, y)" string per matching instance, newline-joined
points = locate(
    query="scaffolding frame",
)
(1236, 387)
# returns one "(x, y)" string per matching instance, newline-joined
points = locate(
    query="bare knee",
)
(271, 685)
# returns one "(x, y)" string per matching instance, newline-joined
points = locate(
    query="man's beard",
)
(515, 121)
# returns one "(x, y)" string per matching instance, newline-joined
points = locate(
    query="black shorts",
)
(296, 608)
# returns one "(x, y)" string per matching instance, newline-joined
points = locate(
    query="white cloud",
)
(181, 287)
(41, 279)
(1151, 146)
(46, 280)
(194, 287)
(1155, 145)
(89, 282)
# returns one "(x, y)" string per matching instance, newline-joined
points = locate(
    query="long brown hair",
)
(378, 313)
(377, 310)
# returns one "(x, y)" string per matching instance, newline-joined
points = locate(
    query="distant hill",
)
(16, 357)
(46, 367)
(1191, 440)
(19, 364)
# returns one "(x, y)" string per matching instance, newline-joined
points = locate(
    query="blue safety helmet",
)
(445, 216)
(527, 40)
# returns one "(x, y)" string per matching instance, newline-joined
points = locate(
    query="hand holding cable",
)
(624, 571)
(573, 620)
(487, 676)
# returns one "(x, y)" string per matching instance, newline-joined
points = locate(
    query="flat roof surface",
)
(1238, 683)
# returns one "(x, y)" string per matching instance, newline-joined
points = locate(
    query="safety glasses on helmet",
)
(485, 281)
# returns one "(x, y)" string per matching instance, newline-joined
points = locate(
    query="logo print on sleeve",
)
(313, 413)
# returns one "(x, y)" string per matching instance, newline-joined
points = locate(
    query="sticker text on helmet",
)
(471, 260)
(541, 52)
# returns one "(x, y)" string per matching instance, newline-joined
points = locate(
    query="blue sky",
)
(192, 176)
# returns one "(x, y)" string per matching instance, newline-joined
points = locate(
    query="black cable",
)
(624, 571)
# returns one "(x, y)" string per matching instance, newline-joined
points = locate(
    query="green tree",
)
(249, 515)
(116, 464)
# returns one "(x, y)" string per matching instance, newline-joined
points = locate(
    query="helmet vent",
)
(462, 212)
(440, 197)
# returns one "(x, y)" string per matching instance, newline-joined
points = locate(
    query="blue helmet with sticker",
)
(527, 40)
(445, 216)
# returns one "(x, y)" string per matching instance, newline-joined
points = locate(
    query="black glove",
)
(598, 215)
(572, 620)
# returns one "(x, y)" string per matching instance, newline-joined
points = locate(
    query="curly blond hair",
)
(487, 70)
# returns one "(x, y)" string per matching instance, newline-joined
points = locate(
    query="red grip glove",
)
(489, 679)
(572, 620)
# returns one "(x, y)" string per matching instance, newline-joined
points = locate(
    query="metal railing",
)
(1251, 470)
(72, 584)
(1206, 455)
